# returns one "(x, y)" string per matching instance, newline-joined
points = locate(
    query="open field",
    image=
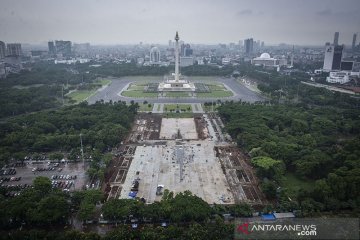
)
(81, 95)
(215, 94)
(104, 81)
(177, 94)
(217, 87)
(139, 94)
(173, 107)
(178, 115)
(145, 107)
(293, 184)
(136, 87)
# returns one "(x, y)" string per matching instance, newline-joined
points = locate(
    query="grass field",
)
(217, 87)
(104, 81)
(81, 95)
(178, 115)
(215, 94)
(293, 184)
(138, 94)
(177, 94)
(208, 79)
(173, 107)
(136, 87)
(145, 107)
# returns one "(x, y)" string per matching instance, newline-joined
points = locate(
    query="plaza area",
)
(178, 166)
(176, 128)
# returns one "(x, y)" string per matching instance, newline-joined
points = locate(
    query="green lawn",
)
(292, 184)
(178, 115)
(177, 94)
(209, 79)
(81, 95)
(138, 94)
(136, 87)
(145, 107)
(173, 107)
(104, 81)
(217, 87)
(215, 94)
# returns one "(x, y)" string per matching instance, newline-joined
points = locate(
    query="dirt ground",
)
(240, 175)
(146, 127)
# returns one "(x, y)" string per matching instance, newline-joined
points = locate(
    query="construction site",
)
(181, 154)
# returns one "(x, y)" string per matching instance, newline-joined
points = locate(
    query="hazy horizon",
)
(100, 22)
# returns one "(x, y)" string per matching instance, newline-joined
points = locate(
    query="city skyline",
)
(99, 22)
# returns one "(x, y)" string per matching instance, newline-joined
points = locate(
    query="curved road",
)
(113, 92)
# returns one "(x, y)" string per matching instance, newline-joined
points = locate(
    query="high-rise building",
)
(332, 59)
(51, 47)
(2, 50)
(63, 47)
(13, 49)
(354, 41)
(185, 50)
(249, 45)
(336, 38)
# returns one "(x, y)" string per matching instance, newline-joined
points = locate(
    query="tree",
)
(42, 184)
(269, 189)
(268, 167)
(51, 209)
(86, 211)
(242, 210)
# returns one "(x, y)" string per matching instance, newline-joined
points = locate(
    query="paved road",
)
(112, 92)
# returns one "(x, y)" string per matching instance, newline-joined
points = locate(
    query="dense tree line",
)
(102, 125)
(48, 74)
(212, 230)
(315, 142)
(18, 101)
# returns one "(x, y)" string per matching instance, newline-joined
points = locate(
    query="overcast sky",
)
(198, 21)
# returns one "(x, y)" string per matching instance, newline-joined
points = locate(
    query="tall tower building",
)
(354, 41)
(332, 59)
(2, 50)
(249, 46)
(51, 47)
(336, 38)
(14, 49)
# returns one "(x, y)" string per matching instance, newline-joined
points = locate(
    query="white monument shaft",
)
(177, 57)
(176, 84)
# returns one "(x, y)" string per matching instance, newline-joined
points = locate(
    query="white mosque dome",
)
(154, 49)
(265, 55)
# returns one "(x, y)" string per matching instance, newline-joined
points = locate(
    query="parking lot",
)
(66, 176)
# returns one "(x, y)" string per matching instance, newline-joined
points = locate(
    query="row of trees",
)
(44, 206)
(212, 230)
